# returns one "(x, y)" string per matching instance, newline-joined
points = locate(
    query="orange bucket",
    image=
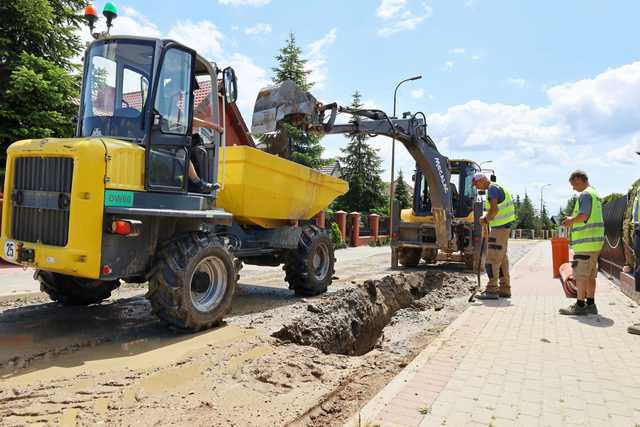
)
(560, 251)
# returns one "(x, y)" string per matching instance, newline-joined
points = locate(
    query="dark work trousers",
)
(636, 250)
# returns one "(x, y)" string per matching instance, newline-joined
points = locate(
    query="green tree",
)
(401, 192)
(571, 203)
(38, 80)
(526, 214)
(544, 222)
(612, 197)
(304, 148)
(291, 65)
(517, 203)
(361, 166)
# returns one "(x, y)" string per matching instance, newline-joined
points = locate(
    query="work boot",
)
(504, 294)
(634, 329)
(200, 186)
(488, 295)
(591, 309)
(574, 310)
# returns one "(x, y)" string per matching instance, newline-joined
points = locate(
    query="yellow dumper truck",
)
(114, 203)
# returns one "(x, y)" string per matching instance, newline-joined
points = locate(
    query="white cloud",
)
(258, 29)
(244, 2)
(251, 78)
(390, 8)
(518, 82)
(317, 58)
(456, 51)
(448, 65)
(475, 57)
(203, 36)
(399, 17)
(417, 93)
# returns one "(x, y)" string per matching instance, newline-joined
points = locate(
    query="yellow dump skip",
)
(266, 190)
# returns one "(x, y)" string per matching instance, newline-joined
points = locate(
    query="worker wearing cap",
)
(635, 328)
(587, 240)
(500, 215)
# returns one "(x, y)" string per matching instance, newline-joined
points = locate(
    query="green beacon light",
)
(110, 12)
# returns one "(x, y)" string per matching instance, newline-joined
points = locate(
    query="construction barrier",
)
(560, 253)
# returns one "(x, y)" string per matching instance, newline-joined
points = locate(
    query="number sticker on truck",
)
(10, 250)
(118, 198)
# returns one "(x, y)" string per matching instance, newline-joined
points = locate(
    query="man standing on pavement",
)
(500, 216)
(587, 240)
(635, 328)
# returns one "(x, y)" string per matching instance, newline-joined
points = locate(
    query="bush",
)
(336, 236)
(381, 242)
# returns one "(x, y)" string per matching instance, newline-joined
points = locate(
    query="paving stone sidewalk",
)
(518, 362)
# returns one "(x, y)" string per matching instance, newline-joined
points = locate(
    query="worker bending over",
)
(500, 215)
(587, 240)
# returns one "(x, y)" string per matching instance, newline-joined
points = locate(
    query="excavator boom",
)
(287, 103)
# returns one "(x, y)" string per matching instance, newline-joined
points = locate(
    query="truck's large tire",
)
(72, 290)
(193, 283)
(309, 269)
(430, 255)
(409, 257)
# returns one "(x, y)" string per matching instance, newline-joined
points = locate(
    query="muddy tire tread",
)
(409, 257)
(69, 290)
(166, 285)
(297, 270)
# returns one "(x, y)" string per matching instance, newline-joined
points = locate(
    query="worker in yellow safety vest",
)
(500, 215)
(587, 240)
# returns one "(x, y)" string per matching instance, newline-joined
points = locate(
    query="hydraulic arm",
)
(288, 103)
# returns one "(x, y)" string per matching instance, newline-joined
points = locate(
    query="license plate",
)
(10, 250)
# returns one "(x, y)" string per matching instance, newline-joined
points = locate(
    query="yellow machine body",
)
(259, 189)
(408, 216)
(269, 191)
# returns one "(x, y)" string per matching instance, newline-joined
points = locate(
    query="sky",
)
(539, 88)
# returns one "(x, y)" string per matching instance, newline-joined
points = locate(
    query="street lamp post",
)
(393, 151)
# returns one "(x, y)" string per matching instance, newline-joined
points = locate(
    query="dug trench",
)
(351, 321)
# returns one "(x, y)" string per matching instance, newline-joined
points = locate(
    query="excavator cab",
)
(415, 238)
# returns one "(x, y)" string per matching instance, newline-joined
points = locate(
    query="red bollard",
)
(355, 228)
(374, 226)
(341, 220)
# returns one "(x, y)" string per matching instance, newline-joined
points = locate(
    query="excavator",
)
(443, 222)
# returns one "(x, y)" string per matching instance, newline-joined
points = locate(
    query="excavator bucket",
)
(284, 102)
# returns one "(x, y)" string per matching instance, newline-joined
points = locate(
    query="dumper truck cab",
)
(115, 202)
(414, 236)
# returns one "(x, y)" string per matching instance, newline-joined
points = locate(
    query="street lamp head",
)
(418, 77)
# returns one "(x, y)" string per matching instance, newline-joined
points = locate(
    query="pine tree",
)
(517, 203)
(361, 167)
(526, 214)
(544, 220)
(291, 65)
(304, 148)
(38, 40)
(571, 203)
(401, 192)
